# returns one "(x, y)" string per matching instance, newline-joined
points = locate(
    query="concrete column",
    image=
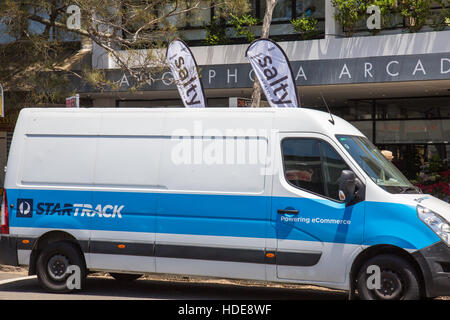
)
(332, 27)
(100, 57)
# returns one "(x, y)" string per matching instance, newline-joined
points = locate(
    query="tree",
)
(37, 31)
(270, 5)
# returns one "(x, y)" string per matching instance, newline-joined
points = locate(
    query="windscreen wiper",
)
(406, 189)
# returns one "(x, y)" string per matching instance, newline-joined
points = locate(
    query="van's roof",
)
(148, 120)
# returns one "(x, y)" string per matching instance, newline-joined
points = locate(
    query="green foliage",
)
(388, 10)
(349, 13)
(441, 20)
(305, 26)
(38, 41)
(416, 12)
(242, 25)
(216, 32)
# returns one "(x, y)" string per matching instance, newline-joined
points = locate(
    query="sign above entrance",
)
(378, 69)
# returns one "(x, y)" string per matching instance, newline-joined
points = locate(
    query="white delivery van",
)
(283, 195)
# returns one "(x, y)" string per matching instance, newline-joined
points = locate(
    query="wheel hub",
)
(57, 266)
(391, 285)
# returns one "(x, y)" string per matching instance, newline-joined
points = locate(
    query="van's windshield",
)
(377, 167)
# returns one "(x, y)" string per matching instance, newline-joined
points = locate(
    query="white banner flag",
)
(274, 73)
(184, 71)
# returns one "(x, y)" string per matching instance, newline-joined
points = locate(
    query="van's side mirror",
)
(347, 186)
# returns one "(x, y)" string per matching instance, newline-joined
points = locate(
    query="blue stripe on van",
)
(223, 215)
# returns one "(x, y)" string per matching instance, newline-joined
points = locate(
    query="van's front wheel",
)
(396, 279)
(56, 263)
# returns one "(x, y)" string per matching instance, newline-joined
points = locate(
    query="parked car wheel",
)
(52, 267)
(398, 280)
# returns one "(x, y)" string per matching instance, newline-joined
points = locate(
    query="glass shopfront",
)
(415, 130)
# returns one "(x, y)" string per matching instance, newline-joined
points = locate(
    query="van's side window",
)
(313, 165)
(332, 167)
(302, 168)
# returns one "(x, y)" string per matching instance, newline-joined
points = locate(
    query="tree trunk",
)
(256, 94)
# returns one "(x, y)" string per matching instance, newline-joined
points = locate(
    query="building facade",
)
(393, 84)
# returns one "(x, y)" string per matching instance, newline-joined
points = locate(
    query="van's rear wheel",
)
(398, 280)
(52, 267)
(125, 277)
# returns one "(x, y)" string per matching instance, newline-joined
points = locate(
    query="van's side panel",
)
(126, 185)
(136, 206)
(323, 235)
(213, 217)
(50, 170)
(395, 224)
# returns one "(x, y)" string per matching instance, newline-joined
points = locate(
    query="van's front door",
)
(316, 233)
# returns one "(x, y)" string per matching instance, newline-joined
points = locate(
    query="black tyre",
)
(398, 279)
(52, 264)
(125, 277)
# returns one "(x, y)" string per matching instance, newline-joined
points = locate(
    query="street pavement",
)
(106, 288)
(102, 287)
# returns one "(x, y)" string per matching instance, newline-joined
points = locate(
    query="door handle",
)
(287, 211)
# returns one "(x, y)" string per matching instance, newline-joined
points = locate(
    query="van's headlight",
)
(439, 225)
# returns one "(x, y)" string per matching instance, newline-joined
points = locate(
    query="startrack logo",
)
(24, 208)
(79, 210)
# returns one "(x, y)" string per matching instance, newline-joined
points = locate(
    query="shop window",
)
(447, 155)
(168, 103)
(413, 131)
(408, 158)
(418, 108)
(366, 127)
(355, 110)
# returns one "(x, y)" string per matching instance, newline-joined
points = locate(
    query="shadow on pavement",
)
(106, 288)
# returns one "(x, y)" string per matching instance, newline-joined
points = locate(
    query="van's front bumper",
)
(435, 264)
(8, 250)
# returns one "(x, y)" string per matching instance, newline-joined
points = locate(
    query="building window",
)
(285, 10)
(418, 108)
(413, 131)
(281, 12)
